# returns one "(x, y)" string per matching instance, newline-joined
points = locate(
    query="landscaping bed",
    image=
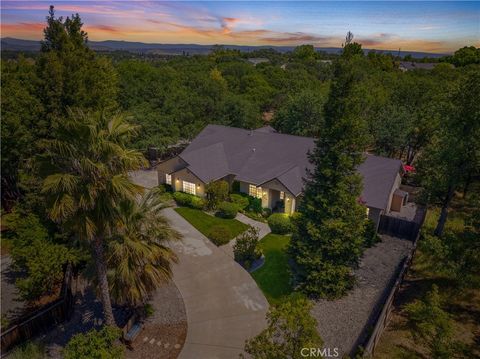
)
(273, 277)
(211, 226)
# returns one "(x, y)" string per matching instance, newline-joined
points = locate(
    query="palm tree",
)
(138, 258)
(86, 179)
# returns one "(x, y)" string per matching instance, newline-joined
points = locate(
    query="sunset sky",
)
(412, 26)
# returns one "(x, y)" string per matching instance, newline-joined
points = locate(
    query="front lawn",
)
(273, 277)
(207, 224)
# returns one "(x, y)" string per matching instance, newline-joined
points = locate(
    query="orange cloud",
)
(28, 30)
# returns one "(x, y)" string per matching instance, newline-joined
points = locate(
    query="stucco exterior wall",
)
(374, 215)
(172, 165)
(185, 175)
(396, 185)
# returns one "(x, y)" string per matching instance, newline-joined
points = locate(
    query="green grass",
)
(273, 277)
(204, 222)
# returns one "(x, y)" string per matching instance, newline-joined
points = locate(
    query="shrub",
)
(370, 233)
(280, 223)
(431, 326)
(36, 254)
(30, 350)
(290, 327)
(220, 234)
(255, 204)
(242, 202)
(245, 249)
(149, 310)
(236, 186)
(182, 199)
(216, 192)
(95, 344)
(227, 210)
(165, 188)
(266, 212)
(197, 202)
(188, 200)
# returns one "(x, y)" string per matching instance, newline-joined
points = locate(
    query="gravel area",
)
(168, 324)
(341, 323)
(164, 333)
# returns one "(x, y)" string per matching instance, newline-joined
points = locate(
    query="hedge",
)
(227, 210)
(280, 223)
(188, 200)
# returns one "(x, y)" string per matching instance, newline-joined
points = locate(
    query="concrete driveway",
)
(224, 306)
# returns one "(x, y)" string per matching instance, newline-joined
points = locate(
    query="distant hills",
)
(12, 44)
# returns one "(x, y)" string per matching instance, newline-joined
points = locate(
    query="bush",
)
(197, 202)
(370, 233)
(280, 223)
(236, 186)
(149, 310)
(266, 212)
(95, 344)
(188, 200)
(220, 234)
(30, 350)
(182, 199)
(227, 210)
(216, 192)
(242, 202)
(165, 188)
(38, 256)
(255, 204)
(245, 249)
(431, 326)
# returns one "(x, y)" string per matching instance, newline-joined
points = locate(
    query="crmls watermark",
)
(319, 352)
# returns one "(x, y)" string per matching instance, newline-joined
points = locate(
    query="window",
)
(282, 195)
(255, 191)
(189, 187)
(168, 179)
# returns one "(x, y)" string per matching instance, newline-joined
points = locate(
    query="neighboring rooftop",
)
(408, 65)
(259, 156)
(257, 60)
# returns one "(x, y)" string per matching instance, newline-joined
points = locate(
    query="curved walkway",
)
(224, 306)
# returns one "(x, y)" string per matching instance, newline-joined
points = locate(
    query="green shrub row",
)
(188, 200)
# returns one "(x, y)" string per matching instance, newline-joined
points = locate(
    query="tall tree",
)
(20, 127)
(301, 114)
(290, 329)
(86, 170)
(328, 239)
(453, 157)
(71, 74)
(351, 48)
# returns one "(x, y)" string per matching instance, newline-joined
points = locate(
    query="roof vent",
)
(253, 149)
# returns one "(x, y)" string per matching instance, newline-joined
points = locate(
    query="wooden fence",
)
(384, 316)
(402, 228)
(44, 318)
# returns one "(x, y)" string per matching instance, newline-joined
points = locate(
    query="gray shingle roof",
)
(259, 156)
(379, 174)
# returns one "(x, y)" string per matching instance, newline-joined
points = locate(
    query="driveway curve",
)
(223, 303)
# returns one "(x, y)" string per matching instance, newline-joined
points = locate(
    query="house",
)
(257, 60)
(408, 65)
(270, 166)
